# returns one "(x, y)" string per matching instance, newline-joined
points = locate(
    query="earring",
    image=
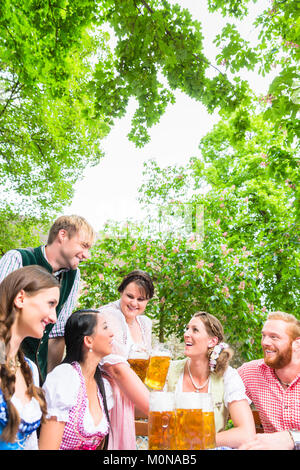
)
(90, 350)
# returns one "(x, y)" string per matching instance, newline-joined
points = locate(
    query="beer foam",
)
(162, 401)
(190, 400)
(161, 353)
(138, 355)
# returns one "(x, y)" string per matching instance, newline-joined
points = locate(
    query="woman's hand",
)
(130, 384)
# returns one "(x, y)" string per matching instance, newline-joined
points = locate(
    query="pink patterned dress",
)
(67, 400)
(122, 434)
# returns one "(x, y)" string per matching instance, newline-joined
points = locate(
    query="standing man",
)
(273, 384)
(69, 241)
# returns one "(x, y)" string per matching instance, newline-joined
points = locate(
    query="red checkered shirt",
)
(278, 408)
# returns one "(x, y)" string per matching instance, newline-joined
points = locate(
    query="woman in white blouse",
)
(78, 397)
(130, 326)
(206, 370)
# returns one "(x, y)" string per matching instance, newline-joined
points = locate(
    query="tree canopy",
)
(68, 70)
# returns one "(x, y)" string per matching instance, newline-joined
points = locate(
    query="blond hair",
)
(291, 320)
(73, 224)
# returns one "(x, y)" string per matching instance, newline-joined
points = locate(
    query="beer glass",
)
(158, 367)
(189, 421)
(209, 430)
(138, 358)
(161, 421)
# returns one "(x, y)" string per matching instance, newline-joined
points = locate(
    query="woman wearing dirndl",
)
(28, 299)
(78, 397)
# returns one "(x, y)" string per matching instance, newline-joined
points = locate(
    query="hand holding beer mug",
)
(158, 367)
(161, 422)
(189, 421)
(138, 359)
(209, 430)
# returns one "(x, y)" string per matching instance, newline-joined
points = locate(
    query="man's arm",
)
(56, 349)
(9, 262)
(281, 440)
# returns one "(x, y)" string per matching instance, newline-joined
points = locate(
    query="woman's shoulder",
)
(62, 374)
(146, 320)
(111, 307)
(176, 367)
(61, 389)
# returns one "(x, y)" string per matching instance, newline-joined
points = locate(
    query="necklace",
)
(283, 383)
(14, 364)
(197, 387)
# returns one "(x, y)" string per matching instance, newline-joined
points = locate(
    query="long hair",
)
(31, 279)
(214, 328)
(80, 324)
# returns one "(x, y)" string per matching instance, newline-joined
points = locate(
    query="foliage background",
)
(63, 84)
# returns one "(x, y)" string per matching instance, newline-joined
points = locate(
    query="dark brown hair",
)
(141, 279)
(31, 279)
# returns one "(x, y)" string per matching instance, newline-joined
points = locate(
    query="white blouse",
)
(30, 411)
(234, 389)
(62, 387)
(122, 340)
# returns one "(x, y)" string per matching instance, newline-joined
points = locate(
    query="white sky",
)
(109, 191)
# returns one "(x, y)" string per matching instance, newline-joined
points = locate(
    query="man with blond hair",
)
(69, 241)
(273, 383)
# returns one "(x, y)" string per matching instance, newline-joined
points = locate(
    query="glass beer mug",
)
(189, 421)
(158, 367)
(138, 358)
(161, 421)
(209, 430)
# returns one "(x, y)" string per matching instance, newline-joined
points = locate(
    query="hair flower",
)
(215, 354)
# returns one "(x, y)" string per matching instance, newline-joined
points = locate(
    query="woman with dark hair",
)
(28, 300)
(78, 397)
(131, 327)
(206, 370)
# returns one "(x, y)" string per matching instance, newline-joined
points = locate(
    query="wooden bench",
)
(141, 423)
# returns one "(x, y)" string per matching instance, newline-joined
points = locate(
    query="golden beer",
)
(157, 371)
(189, 421)
(209, 430)
(139, 366)
(189, 429)
(161, 421)
(161, 430)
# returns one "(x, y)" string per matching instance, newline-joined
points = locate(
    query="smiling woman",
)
(206, 370)
(28, 298)
(78, 398)
(131, 327)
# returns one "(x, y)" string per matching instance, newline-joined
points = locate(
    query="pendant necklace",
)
(197, 387)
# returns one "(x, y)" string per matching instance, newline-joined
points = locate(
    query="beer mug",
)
(138, 358)
(161, 421)
(158, 367)
(209, 430)
(189, 421)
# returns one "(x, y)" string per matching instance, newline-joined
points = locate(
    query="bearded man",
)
(273, 384)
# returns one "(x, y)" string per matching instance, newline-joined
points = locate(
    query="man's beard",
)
(281, 359)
